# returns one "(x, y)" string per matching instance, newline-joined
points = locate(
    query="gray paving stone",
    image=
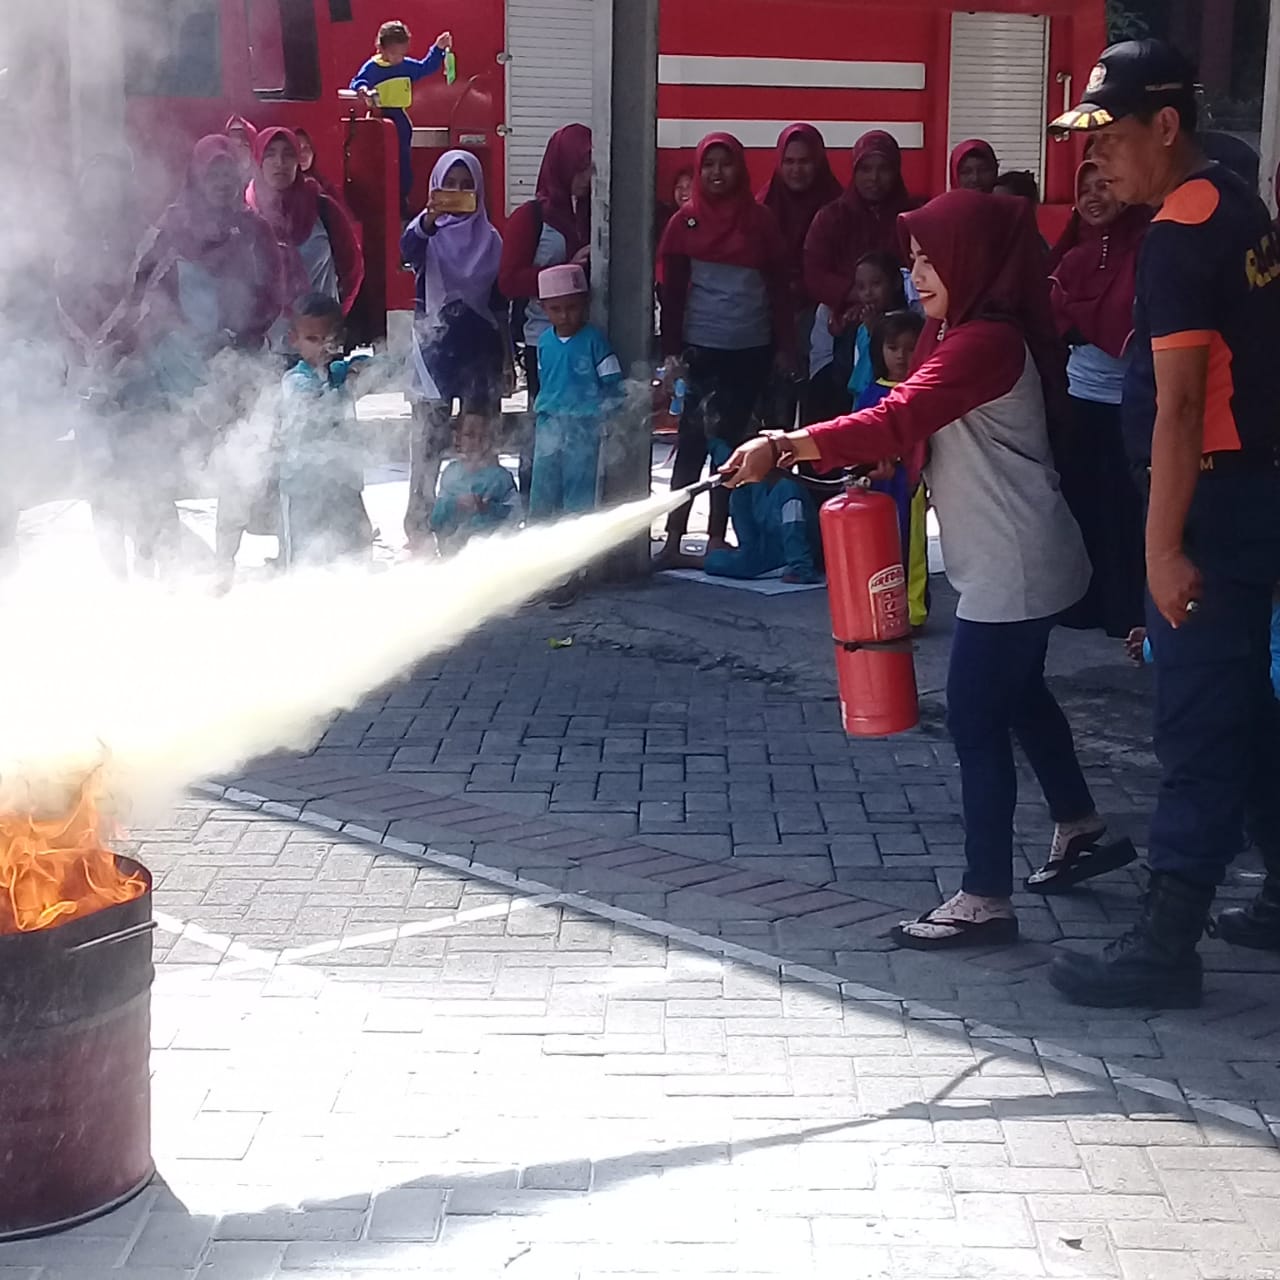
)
(407, 1213)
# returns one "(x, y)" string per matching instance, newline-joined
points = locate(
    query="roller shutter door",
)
(548, 82)
(999, 72)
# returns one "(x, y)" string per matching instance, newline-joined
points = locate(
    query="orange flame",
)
(55, 869)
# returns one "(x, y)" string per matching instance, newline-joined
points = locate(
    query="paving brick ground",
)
(369, 1064)
(711, 798)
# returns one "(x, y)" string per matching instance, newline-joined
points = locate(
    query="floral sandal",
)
(1077, 855)
(943, 929)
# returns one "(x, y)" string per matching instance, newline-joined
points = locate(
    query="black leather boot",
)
(1154, 965)
(1258, 924)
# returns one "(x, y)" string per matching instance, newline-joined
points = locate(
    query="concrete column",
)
(625, 131)
(1271, 110)
(96, 74)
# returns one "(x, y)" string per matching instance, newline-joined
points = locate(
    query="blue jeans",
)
(995, 692)
(404, 145)
(1217, 723)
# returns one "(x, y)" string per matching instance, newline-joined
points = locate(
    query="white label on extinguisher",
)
(889, 614)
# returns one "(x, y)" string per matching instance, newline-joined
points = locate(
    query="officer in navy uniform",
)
(1202, 427)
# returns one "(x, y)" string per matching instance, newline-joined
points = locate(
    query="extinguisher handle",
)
(857, 475)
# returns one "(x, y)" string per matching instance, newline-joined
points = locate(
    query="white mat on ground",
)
(770, 585)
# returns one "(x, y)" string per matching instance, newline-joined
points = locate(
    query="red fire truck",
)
(930, 71)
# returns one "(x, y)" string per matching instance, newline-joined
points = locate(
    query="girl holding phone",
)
(462, 347)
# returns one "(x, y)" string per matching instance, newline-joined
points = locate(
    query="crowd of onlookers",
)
(795, 306)
(790, 305)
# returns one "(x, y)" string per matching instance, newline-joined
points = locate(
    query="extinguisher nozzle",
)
(705, 486)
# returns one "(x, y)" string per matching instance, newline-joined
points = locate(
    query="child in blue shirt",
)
(386, 81)
(477, 493)
(892, 345)
(580, 387)
(322, 513)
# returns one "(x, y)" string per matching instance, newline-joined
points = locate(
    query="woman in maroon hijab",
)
(217, 284)
(318, 241)
(862, 220)
(1094, 278)
(727, 319)
(552, 228)
(801, 185)
(974, 166)
(1011, 547)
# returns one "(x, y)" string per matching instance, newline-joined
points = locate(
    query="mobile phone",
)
(454, 201)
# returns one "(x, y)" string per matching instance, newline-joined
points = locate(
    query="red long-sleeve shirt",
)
(977, 363)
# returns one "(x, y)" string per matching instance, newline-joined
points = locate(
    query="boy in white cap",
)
(581, 385)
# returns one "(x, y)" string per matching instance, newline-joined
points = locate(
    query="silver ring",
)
(1193, 606)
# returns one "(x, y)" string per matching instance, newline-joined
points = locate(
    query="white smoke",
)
(166, 687)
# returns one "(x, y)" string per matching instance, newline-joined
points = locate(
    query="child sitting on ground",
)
(477, 493)
(775, 524)
(322, 513)
(893, 343)
(386, 81)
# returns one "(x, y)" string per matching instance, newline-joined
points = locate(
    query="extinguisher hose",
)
(705, 486)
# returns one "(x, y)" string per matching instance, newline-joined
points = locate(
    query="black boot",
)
(1154, 965)
(1258, 924)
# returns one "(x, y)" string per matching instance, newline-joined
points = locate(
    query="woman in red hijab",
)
(727, 319)
(317, 236)
(551, 229)
(217, 283)
(802, 183)
(864, 219)
(216, 260)
(1094, 278)
(974, 166)
(243, 135)
(1011, 547)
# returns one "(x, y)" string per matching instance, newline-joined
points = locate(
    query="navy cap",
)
(1134, 76)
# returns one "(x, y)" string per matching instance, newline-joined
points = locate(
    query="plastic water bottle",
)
(677, 400)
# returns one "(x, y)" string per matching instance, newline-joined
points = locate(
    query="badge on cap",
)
(1097, 78)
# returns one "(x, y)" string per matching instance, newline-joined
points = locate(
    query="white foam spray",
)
(165, 687)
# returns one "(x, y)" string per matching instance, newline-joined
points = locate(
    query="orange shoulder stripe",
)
(1185, 340)
(1190, 205)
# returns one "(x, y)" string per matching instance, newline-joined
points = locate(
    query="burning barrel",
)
(75, 1019)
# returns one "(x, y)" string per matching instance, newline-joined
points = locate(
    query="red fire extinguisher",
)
(870, 618)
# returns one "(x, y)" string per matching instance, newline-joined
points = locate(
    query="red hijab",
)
(240, 124)
(854, 226)
(291, 213)
(987, 251)
(972, 147)
(233, 245)
(195, 229)
(1094, 275)
(795, 210)
(731, 229)
(568, 153)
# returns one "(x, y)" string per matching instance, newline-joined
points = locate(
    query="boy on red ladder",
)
(386, 81)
